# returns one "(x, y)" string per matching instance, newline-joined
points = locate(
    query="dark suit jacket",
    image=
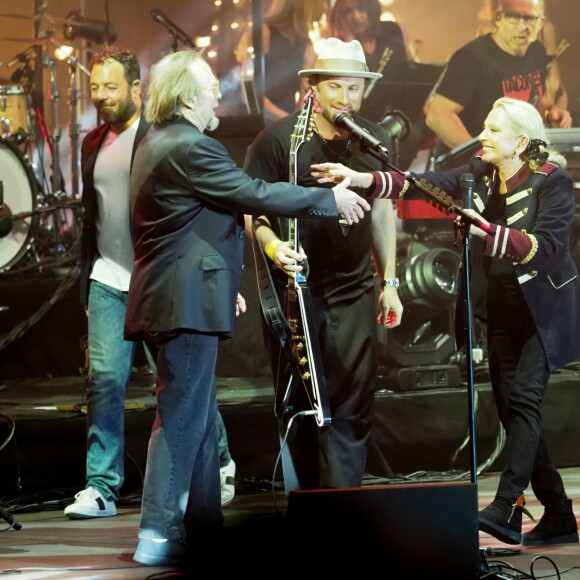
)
(188, 227)
(89, 151)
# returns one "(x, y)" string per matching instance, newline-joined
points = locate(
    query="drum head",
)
(19, 196)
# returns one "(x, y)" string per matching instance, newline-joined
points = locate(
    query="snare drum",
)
(14, 111)
(20, 197)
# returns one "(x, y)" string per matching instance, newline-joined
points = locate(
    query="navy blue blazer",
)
(546, 271)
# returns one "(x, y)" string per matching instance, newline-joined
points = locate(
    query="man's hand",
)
(240, 304)
(558, 118)
(350, 206)
(285, 258)
(391, 309)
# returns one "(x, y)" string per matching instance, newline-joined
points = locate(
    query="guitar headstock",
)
(304, 127)
(437, 197)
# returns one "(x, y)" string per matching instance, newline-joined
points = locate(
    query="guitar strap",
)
(269, 301)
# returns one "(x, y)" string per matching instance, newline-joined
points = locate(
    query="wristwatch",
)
(393, 282)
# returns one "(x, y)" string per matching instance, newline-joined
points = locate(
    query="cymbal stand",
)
(74, 131)
(56, 180)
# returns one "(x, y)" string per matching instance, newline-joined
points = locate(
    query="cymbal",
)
(25, 16)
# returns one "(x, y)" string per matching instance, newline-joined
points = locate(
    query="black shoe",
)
(502, 519)
(557, 526)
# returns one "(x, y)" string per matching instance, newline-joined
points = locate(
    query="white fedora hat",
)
(341, 59)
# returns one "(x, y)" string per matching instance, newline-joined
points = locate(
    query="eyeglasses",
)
(514, 18)
(215, 88)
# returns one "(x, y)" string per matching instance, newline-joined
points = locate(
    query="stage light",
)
(63, 52)
(430, 278)
(96, 31)
(396, 124)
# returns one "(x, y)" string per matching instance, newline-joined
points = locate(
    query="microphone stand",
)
(380, 152)
(463, 231)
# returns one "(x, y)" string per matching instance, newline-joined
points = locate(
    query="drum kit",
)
(39, 221)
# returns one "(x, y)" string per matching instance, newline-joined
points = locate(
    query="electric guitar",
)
(298, 304)
(294, 325)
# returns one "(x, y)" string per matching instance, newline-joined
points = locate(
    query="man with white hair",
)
(188, 230)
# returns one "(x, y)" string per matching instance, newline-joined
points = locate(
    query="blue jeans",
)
(224, 450)
(181, 495)
(110, 363)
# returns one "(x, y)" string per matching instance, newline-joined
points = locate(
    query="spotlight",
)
(63, 52)
(396, 123)
(398, 127)
(96, 31)
(430, 278)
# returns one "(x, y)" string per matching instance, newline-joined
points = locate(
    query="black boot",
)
(557, 526)
(502, 519)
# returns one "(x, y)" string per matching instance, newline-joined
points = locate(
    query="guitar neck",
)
(301, 132)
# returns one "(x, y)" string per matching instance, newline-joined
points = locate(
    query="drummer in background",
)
(508, 62)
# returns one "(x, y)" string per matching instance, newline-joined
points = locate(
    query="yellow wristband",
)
(271, 248)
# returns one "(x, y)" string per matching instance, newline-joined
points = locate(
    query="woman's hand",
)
(336, 172)
(475, 230)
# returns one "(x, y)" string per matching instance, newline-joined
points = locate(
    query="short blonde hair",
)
(526, 120)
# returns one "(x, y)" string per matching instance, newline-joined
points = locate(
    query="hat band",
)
(342, 64)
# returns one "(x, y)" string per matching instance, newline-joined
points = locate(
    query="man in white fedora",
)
(341, 264)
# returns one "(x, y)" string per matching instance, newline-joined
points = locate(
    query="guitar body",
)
(305, 352)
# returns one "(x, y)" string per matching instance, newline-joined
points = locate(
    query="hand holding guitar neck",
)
(444, 202)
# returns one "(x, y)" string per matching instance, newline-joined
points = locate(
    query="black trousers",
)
(519, 378)
(335, 455)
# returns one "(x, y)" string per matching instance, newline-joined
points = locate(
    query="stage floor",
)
(418, 437)
(51, 546)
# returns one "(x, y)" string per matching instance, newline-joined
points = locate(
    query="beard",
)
(126, 110)
(213, 124)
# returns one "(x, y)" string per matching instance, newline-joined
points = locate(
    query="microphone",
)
(22, 56)
(158, 16)
(466, 183)
(344, 120)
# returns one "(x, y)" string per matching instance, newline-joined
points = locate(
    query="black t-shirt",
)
(481, 72)
(339, 265)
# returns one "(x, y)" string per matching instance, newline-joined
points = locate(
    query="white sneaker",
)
(228, 487)
(89, 503)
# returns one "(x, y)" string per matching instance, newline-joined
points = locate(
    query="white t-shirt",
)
(112, 184)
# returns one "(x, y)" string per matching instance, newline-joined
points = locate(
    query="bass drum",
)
(20, 196)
